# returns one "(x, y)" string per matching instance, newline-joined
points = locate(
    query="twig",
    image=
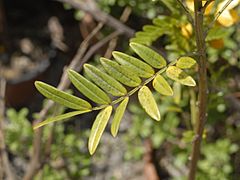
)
(90, 7)
(77, 62)
(36, 161)
(219, 14)
(113, 43)
(5, 164)
(202, 88)
(96, 47)
(187, 11)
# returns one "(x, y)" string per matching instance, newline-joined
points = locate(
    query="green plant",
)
(111, 82)
(62, 164)
(130, 70)
(18, 131)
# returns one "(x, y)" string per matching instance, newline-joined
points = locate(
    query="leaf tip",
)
(91, 152)
(133, 44)
(37, 126)
(170, 93)
(114, 53)
(193, 83)
(37, 83)
(91, 148)
(114, 133)
(86, 65)
(158, 118)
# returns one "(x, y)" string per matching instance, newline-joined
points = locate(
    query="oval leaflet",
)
(148, 103)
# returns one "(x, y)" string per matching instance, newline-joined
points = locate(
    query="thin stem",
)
(219, 14)
(202, 94)
(90, 6)
(187, 11)
(113, 43)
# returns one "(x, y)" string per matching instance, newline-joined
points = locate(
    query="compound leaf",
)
(161, 85)
(120, 73)
(180, 76)
(61, 97)
(118, 116)
(139, 67)
(88, 88)
(186, 63)
(148, 103)
(103, 80)
(98, 128)
(59, 118)
(149, 55)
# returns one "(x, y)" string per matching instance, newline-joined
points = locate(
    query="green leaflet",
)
(120, 73)
(103, 80)
(88, 88)
(139, 67)
(98, 127)
(186, 63)
(148, 103)
(59, 118)
(162, 86)
(180, 76)
(148, 55)
(61, 97)
(118, 116)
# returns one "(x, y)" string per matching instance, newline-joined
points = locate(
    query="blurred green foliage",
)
(18, 132)
(68, 154)
(69, 157)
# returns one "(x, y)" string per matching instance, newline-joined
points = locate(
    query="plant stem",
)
(187, 11)
(202, 84)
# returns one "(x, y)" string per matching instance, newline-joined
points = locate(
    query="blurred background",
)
(39, 39)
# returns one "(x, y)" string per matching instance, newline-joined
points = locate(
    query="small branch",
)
(113, 43)
(76, 62)
(36, 161)
(98, 45)
(187, 11)
(4, 161)
(219, 14)
(90, 7)
(202, 88)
